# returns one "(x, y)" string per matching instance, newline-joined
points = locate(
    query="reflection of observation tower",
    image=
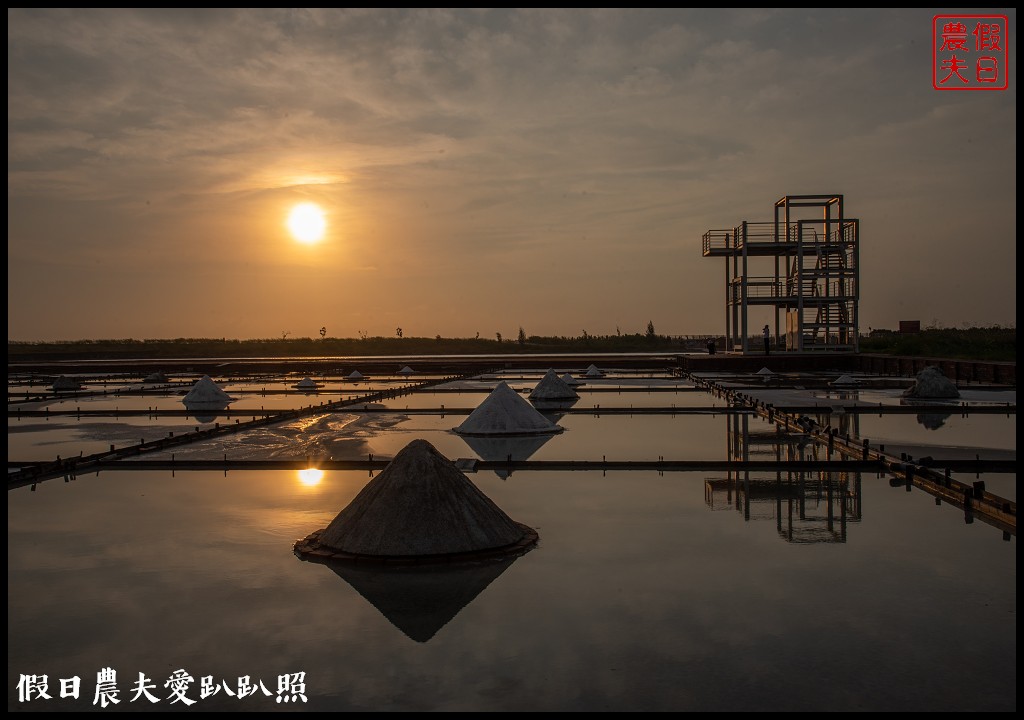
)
(808, 507)
(802, 268)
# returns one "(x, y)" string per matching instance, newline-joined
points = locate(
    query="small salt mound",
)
(552, 387)
(844, 380)
(355, 375)
(206, 391)
(931, 383)
(593, 372)
(504, 412)
(66, 383)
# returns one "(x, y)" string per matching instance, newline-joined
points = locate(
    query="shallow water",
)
(682, 591)
(642, 594)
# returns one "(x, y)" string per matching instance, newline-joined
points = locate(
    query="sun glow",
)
(307, 223)
(311, 476)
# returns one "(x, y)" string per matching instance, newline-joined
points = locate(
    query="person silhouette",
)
(767, 339)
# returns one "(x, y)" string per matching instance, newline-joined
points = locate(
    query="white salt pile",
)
(552, 387)
(504, 412)
(206, 391)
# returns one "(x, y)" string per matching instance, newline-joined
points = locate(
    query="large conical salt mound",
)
(931, 383)
(420, 506)
(504, 412)
(206, 391)
(593, 372)
(552, 387)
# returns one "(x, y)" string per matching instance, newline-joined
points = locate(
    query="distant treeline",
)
(997, 344)
(993, 343)
(328, 346)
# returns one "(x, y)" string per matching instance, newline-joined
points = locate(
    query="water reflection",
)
(929, 420)
(553, 409)
(508, 448)
(310, 477)
(933, 421)
(419, 600)
(205, 412)
(808, 507)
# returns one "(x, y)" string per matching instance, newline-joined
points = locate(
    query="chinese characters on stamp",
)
(970, 52)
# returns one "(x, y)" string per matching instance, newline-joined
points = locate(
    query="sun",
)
(307, 223)
(311, 476)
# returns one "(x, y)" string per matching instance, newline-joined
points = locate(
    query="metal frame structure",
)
(812, 279)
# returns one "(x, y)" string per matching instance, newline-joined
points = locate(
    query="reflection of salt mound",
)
(554, 409)
(420, 599)
(933, 421)
(593, 372)
(355, 375)
(503, 448)
(571, 381)
(206, 391)
(931, 383)
(306, 384)
(206, 411)
(503, 412)
(406, 371)
(421, 507)
(157, 377)
(66, 383)
(552, 387)
(844, 380)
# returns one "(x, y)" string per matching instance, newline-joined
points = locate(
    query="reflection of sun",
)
(307, 223)
(311, 476)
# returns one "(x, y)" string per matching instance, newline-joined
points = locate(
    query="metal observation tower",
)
(799, 274)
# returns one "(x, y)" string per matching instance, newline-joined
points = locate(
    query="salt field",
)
(693, 553)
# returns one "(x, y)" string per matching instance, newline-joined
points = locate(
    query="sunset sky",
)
(482, 170)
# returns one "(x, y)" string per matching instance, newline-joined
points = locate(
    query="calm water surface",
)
(682, 591)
